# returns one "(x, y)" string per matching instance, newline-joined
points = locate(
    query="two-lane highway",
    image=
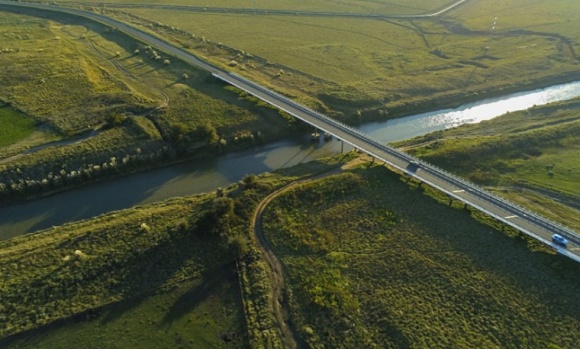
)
(506, 212)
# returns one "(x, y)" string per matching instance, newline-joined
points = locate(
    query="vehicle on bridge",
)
(413, 166)
(559, 240)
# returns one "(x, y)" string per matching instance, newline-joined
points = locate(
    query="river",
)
(202, 176)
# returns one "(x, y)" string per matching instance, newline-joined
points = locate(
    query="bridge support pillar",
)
(450, 202)
(341, 146)
(465, 206)
(420, 183)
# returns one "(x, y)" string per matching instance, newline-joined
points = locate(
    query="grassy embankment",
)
(369, 69)
(530, 157)
(144, 277)
(162, 275)
(116, 105)
(372, 262)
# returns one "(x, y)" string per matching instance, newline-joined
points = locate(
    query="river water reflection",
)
(202, 176)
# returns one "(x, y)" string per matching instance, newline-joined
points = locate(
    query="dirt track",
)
(278, 297)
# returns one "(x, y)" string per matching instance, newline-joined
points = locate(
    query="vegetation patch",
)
(15, 126)
(164, 268)
(193, 314)
(111, 152)
(371, 262)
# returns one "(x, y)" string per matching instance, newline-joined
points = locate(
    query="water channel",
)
(202, 176)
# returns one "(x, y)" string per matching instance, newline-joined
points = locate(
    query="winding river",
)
(202, 176)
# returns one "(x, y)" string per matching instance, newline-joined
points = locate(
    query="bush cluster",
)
(111, 152)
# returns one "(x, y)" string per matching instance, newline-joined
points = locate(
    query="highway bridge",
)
(506, 212)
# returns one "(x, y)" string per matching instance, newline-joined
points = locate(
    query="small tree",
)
(223, 206)
(208, 132)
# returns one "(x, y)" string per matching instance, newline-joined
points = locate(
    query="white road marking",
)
(510, 217)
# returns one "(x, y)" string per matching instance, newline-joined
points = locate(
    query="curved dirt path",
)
(278, 297)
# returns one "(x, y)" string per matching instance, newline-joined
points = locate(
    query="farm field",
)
(392, 66)
(72, 88)
(376, 263)
(531, 157)
(93, 75)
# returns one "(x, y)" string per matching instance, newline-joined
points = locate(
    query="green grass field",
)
(15, 126)
(357, 6)
(397, 65)
(372, 262)
(82, 75)
(74, 87)
(189, 316)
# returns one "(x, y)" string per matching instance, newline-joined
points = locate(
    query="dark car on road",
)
(559, 240)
